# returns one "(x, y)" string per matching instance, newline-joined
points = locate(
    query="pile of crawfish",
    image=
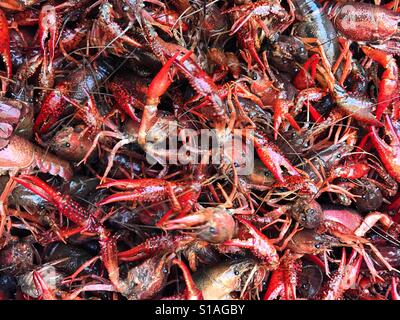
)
(92, 205)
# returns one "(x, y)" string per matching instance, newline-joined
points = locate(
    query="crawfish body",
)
(316, 25)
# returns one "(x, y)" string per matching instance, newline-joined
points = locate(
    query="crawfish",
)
(47, 273)
(286, 51)
(374, 26)
(246, 26)
(310, 281)
(76, 86)
(69, 258)
(105, 30)
(71, 143)
(364, 22)
(318, 26)
(17, 257)
(183, 194)
(147, 280)
(212, 106)
(349, 226)
(216, 225)
(221, 281)
(343, 279)
(85, 219)
(388, 153)
(327, 44)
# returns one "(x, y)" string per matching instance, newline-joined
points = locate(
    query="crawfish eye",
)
(338, 156)
(254, 76)
(264, 283)
(310, 211)
(67, 144)
(236, 272)
(212, 230)
(125, 8)
(303, 218)
(164, 270)
(317, 245)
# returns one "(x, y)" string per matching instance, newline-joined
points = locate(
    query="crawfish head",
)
(68, 258)
(310, 281)
(17, 257)
(294, 144)
(70, 143)
(214, 225)
(307, 212)
(311, 242)
(149, 278)
(260, 177)
(50, 276)
(284, 53)
(220, 281)
(328, 158)
(371, 197)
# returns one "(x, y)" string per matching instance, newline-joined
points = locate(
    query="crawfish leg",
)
(192, 292)
(109, 255)
(388, 153)
(3, 207)
(389, 85)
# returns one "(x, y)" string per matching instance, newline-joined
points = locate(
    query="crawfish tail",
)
(49, 163)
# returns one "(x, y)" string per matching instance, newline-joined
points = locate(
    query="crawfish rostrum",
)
(99, 97)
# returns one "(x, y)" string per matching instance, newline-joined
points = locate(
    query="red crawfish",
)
(86, 221)
(183, 195)
(76, 87)
(388, 153)
(216, 225)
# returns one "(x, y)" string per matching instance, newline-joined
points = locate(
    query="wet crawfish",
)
(54, 103)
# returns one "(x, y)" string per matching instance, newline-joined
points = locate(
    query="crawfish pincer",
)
(388, 153)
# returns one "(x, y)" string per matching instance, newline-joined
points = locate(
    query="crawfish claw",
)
(68, 207)
(388, 153)
(273, 158)
(37, 186)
